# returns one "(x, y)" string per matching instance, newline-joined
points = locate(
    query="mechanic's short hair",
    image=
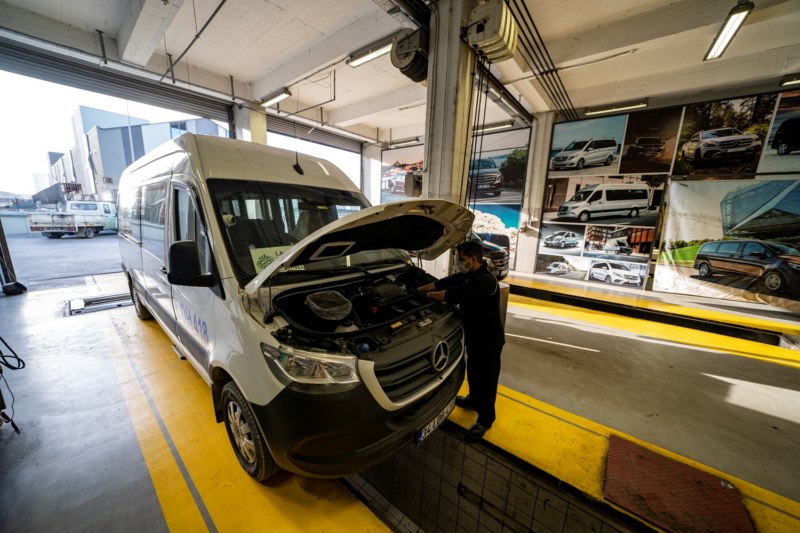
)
(471, 249)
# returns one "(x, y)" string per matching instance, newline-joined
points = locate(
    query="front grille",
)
(401, 374)
(561, 158)
(735, 143)
(486, 179)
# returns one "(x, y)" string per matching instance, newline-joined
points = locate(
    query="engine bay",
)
(367, 315)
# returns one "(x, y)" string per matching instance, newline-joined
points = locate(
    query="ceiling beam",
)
(388, 102)
(143, 27)
(331, 49)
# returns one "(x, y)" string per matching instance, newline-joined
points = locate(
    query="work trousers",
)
(483, 371)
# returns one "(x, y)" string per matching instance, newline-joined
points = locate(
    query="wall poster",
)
(733, 239)
(399, 168)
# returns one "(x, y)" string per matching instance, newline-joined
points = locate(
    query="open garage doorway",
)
(64, 150)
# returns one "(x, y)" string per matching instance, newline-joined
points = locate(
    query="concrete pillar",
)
(250, 124)
(449, 115)
(371, 173)
(448, 131)
(531, 215)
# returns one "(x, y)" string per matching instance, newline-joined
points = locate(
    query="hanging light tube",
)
(732, 24)
(279, 96)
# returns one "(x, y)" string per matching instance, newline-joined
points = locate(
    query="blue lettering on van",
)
(197, 323)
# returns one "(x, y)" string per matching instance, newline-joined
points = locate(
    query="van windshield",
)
(575, 145)
(582, 195)
(783, 249)
(260, 221)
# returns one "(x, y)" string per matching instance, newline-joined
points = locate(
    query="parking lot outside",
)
(42, 263)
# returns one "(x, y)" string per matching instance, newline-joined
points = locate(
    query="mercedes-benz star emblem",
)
(439, 356)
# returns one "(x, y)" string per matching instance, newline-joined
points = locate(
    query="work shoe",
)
(477, 431)
(464, 402)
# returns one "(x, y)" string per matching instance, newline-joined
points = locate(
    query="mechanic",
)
(477, 293)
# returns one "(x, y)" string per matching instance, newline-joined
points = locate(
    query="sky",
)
(36, 119)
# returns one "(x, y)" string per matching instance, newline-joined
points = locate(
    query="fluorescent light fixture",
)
(614, 108)
(279, 96)
(789, 80)
(495, 127)
(732, 24)
(373, 51)
(404, 142)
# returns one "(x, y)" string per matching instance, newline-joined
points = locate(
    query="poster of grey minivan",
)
(651, 138)
(724, 137)
(732, 239)
(611, 199)
(564, 239)
(587, 147)
(617, 273)
(782, 150)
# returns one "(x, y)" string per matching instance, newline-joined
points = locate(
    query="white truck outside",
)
(83, 218)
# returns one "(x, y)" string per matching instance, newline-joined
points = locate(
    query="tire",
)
(773, 281)
(608, 161)
(561, 244)
(248, 443)
(88, 233)
(53, 235)
(141, 311)
(634, 212)
(704, 270)
(608, 280)
(579, 164)
(584, 216)
(496, 193)
(783, 149)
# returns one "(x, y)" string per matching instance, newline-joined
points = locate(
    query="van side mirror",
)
(184, 266)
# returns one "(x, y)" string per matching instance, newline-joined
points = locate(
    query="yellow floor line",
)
(681, 310)
(573, 449)
(667, 332)
(234, 501)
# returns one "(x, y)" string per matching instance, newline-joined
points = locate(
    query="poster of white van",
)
(587, 147)
(609, 199)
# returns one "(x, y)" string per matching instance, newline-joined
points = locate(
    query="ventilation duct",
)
(493, 31)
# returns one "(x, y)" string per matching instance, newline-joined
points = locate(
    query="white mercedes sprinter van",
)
(294, 300)
(607, 199)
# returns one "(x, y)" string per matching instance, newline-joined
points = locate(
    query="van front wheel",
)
(704, 270)
(579, 164)
(584, 216)
(783, 149)
(773, 281)
(634, 213)
(248, 443)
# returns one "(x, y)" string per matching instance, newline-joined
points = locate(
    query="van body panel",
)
(579, 154)
(260, 332)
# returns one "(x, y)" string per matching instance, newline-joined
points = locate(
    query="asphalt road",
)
(42, 263)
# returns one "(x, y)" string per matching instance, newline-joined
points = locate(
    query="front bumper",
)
(335, 435)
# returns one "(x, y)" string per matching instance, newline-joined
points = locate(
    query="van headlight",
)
(312, 372)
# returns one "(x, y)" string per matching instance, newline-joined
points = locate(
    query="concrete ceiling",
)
(603, 52)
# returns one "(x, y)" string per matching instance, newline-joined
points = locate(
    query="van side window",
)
(189, 227)
(754, 248)
(129, 213)
(730, 247)
(595, 196)
(153, 217)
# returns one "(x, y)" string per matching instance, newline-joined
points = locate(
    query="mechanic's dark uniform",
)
(478, 296)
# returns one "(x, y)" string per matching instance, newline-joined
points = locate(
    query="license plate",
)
(483, 186)
(423, 433)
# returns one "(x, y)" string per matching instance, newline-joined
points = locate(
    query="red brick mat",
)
(671, 495)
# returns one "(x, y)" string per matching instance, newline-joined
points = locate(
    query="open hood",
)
(427, 227)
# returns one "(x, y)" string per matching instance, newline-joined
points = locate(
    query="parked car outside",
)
(614, 273)
(557, 268)
(485, 177)
(646, 147)
(563, 239)
(776, 265)
(579, 154)
(787, 138)
(721, 143)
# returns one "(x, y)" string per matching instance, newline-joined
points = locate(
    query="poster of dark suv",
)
(724, 137)
(782, 150)
(650, 141)
(732, 239)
